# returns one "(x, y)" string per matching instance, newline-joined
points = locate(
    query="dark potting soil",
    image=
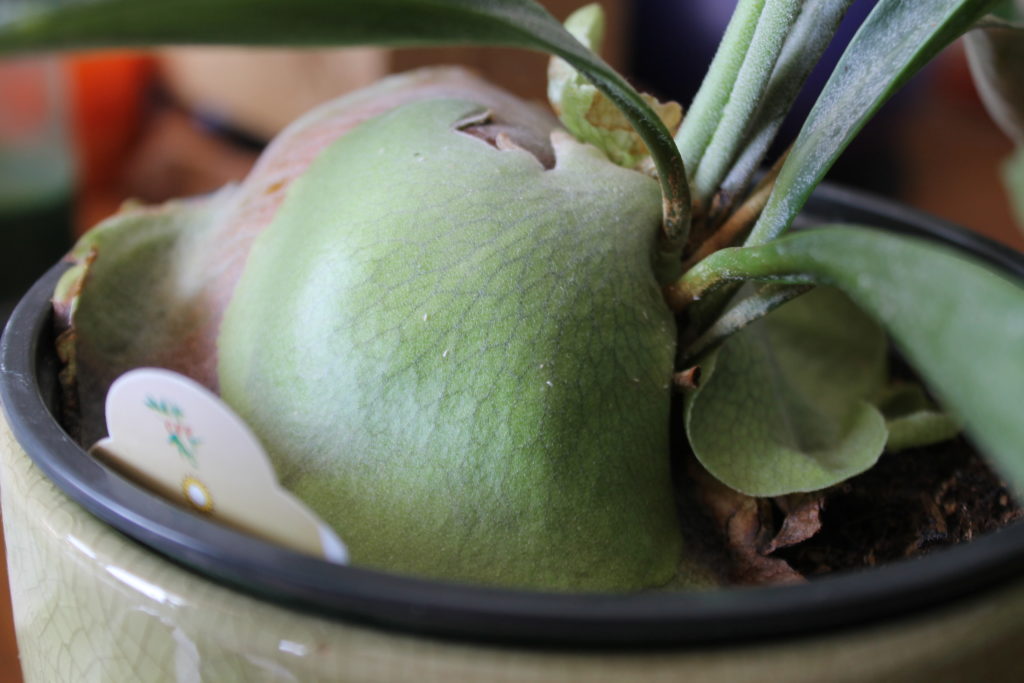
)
(910, 503)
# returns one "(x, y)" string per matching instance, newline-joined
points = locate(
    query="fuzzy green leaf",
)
(142, 292)
(893, 43)
(770, 37)
(49, 24)
(783, 405)
(420, 340)
(810, 36)
(1005, 11)
(913, 421)
(959, 324)
(919, 429)
(995, 54)
(1013, 179)
(705, 112)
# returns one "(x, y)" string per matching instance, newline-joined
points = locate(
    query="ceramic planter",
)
(111, 583)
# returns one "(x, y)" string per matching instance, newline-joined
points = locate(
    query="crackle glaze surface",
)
(91, 605)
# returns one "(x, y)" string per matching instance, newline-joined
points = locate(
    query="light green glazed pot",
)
(92, 605)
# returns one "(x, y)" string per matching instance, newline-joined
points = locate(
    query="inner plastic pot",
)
(29, 392)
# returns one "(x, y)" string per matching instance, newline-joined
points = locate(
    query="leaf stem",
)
(706, 110)
(810, 36)
(754, 307)
(675, 189)
(773, 27)
(739, 221)
(726, 266)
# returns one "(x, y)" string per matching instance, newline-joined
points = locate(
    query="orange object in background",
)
(109, 105)
(133, 140)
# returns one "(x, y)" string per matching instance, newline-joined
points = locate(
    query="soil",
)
(909, 504)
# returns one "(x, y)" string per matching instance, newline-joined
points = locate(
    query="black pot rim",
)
(675, 621)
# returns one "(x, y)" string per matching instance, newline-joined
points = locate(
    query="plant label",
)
(173, 436)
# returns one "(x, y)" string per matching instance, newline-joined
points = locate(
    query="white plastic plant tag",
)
(177, 438)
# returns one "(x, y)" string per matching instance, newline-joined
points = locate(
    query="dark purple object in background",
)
(673, 42)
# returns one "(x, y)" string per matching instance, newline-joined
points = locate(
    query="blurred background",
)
(81, 133)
